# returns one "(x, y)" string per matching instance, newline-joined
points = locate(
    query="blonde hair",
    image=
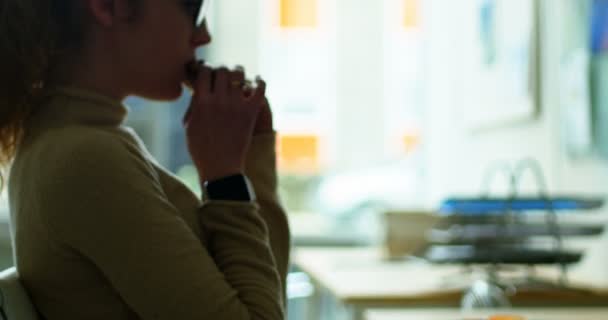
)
(35, 36)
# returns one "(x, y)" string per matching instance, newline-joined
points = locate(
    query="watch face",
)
(250, 189)
(232, 188)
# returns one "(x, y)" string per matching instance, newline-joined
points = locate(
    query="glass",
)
(202, 13)
(198, 10)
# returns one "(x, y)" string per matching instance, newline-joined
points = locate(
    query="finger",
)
(259, 93)
(204, 89)
(193, 112)
(248, 88)
(237, 80)
(199, 78)
(220, 87)
(205, 80)
(192, 70)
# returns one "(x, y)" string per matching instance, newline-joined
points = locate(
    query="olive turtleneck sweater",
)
(101, 231)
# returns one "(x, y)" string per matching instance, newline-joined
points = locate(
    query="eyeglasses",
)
(197, 9)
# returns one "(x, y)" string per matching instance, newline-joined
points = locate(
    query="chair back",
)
(15, 303)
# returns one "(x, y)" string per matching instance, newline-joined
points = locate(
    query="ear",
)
(108, 12)
(102, 11)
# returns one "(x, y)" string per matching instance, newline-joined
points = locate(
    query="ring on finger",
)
(242, 84)
(237, 83)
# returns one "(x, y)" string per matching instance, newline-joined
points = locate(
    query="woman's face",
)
(156, 47)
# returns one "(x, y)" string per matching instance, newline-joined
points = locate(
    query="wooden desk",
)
(361, 279)
(530, 314)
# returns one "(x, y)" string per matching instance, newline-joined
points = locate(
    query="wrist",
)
(231, 188)
(216, 175)
(262, 131)
(264, 123)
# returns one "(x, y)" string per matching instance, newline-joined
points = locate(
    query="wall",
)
(359, 80)
(457, 154)
(234, 27)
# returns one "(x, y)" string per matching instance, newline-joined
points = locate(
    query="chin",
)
(164, 93)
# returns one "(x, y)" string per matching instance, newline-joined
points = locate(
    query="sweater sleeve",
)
(262, 170)
(106, 203)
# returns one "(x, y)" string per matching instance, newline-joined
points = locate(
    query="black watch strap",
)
(231, 188)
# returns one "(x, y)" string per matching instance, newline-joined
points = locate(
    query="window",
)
(298, 13)
(346, 86)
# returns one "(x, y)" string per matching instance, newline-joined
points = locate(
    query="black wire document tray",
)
(495, 233)
(466, 254)
(486, 205)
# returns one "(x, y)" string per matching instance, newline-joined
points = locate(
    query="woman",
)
(99, 229)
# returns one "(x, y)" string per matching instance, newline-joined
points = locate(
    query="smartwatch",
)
(231, 188)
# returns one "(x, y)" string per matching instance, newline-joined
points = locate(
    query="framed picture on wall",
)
(575, 87)
(599, 74)
(501, 75)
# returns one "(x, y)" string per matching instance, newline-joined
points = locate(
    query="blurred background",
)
(397, 105)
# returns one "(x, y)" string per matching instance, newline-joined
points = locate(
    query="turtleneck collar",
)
(72, 105)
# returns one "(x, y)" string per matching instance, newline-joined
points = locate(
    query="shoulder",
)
(78, 148)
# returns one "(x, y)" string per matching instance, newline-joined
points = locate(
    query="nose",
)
(201, 35)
